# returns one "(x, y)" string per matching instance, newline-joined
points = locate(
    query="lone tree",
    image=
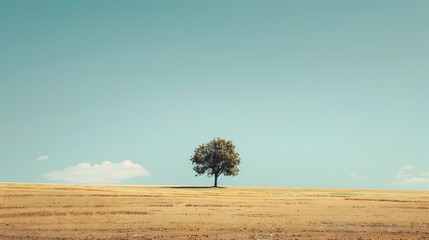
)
(216, 158)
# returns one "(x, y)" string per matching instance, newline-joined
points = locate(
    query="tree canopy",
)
(215, 158)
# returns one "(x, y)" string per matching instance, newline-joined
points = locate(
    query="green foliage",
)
(216, 158)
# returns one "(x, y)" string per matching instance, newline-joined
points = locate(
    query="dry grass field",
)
(140, 212)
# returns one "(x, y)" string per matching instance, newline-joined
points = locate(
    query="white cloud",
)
(357, 176)
(415, 180)
(42, 158)
(406, 175)
(407, 168)
(105, 172)
(401, 174)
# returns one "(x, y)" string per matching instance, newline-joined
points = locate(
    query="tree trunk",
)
(215, 183)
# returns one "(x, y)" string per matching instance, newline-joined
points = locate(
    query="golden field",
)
(44, 211)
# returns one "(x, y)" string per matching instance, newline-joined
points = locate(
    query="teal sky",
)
(313, 93)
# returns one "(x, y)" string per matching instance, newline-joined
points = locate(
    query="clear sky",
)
(313, 93)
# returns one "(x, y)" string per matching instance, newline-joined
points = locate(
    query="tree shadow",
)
(192, 187)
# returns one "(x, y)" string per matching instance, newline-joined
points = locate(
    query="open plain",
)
(44, 211)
